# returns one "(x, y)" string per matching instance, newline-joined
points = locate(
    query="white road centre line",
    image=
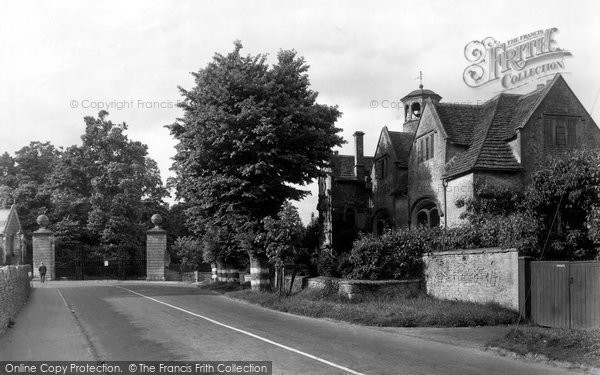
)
(350, 371)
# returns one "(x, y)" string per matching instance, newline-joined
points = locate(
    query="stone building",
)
(442, 152)
(12, 249)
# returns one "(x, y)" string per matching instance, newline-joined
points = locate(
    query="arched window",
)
(426, 214)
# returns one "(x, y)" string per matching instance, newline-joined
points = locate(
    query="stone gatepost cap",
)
(43, 221)
(156, 220)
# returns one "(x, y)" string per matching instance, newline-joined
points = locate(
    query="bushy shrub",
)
(398, 254)
(393, 255)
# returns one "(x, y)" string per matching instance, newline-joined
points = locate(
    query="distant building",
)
(442, 152)
(12, 249)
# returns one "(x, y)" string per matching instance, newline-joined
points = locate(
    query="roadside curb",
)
(541, 358)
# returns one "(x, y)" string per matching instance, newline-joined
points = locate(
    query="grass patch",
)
(571, 345)
(384, 310)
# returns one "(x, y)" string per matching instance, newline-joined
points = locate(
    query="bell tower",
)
(414, 104)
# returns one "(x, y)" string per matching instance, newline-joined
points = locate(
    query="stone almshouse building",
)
(442, 152)
(12, 247)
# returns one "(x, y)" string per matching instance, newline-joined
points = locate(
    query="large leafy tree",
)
(251, 135)
(108, 186)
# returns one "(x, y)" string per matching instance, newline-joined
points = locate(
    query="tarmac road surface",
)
(152, 321)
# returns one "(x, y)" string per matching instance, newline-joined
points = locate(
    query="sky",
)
(64, 60)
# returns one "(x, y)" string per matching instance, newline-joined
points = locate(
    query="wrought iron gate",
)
(83, 264)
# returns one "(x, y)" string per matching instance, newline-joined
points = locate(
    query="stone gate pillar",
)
(43, 248)
(156, 246)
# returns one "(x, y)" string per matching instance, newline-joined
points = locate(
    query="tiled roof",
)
(523, 107)
(342, 166)
(487, 128)
(459, 120)
(401, 143)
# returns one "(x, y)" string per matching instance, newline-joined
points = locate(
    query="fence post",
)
(43, 248)
(156, 246)
(525, 286)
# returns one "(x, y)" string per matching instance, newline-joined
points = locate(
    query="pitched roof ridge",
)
(542, 94)
(487, 131)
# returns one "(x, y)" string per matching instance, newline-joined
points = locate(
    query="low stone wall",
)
(300, 282)
(479, 275)
(15, 285)
(330, 284)
(361, 288)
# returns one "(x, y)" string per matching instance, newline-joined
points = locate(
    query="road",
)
(148, 322)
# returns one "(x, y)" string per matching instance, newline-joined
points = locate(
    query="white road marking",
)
(249, 334)
(64, 300)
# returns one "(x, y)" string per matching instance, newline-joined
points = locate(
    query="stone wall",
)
(353, 289)
(480, 275)
(300, 282)
(323, 283)
(14, 290)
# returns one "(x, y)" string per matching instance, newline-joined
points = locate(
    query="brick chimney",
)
(359, 156)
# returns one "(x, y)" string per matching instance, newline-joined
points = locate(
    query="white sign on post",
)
(106, 263)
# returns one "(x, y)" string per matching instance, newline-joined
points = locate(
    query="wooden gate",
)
(565, 294)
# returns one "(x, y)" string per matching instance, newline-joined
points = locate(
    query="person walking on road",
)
(42, 270)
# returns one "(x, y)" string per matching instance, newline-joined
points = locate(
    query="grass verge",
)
(577, 346)
(383, 310)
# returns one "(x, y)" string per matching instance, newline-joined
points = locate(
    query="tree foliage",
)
(565, 195)
(101, 192)
(555, 217)
(250, 135)
(284, 235)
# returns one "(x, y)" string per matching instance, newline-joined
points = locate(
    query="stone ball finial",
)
(156, 220)
(43, 221)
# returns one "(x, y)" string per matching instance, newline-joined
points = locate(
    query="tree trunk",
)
(213, 268)
(221, 270)
(259, 272)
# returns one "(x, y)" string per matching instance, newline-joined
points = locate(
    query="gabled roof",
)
(5, 216)
(401, 142)
(486, 129)
(342, 166)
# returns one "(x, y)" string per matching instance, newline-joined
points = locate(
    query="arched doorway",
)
(382, 220)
